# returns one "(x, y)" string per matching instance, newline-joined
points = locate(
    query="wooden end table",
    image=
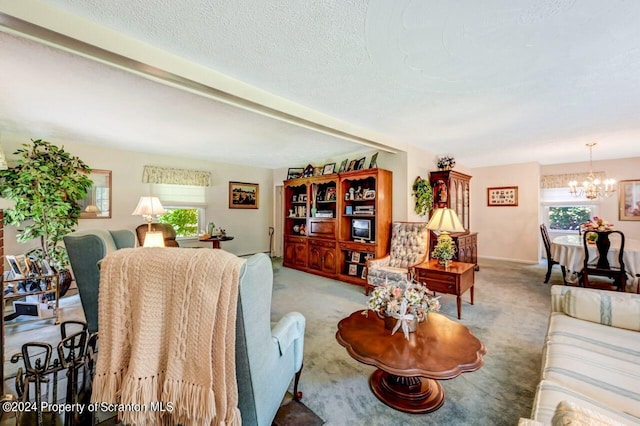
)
(215, 241)
(409, 370)
(455, 279)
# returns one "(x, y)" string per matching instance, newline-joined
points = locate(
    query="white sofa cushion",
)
(605, 307)
(570, 414)
(550, 393)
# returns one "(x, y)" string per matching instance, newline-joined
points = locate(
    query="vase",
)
(313, 211)
(390, 323)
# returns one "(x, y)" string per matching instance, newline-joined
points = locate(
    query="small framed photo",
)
(243, 195)
(363, 275)
(355, 256)
(46, 268)
(34, 268)
(294, 173)
(353, 269)
(308, 171)
(374, 161)
(503, 196)
(330, 195)
(360, 164)
(15, 266)
(294, 198)
(343, 166)
(629, 208)
(352, 165)
(328, 168)
(348, 209)
(369, 194)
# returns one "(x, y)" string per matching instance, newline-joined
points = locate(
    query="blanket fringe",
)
(106, 387)
(193, 404)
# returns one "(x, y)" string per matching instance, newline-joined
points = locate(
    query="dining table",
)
(568, 251)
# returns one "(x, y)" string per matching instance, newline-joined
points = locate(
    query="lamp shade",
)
(445, 220)
(153, 239)
(148, 206)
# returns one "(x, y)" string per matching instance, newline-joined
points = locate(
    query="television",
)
(361, 229)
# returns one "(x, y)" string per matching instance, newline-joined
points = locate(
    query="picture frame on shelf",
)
(348, 209)
(15, 267)
(360, 164)
(629, 191)
(352, 165)
(330, 195)
(374, 161)
(294, 198)
(363, 275)
(353, 269)
(243, 195)
(369, 194)
(294, 172)
(329, 169)
(355, 256)
(502, 196)
(308, 171)
(343, 166)
(317, 171)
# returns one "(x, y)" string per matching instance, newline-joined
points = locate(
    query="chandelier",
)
(592, 188)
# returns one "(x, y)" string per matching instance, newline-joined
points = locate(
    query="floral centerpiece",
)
(408, 302)
(444, 250)
(597, 224)
(446, 162)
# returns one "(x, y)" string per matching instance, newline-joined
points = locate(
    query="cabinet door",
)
(289, 253)
(301, 255)
(329, 261)
(315, 258)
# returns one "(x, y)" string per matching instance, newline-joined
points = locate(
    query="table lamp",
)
(444, 221)
(147, 208)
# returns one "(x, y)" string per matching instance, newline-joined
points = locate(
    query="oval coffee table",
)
(409, 370)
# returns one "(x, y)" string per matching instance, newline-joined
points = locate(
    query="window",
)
(185, 205)
(563, 213)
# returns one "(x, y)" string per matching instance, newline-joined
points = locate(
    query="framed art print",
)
(503, 196)
(243, 195)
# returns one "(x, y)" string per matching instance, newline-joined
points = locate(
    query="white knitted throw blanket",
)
(167, 335)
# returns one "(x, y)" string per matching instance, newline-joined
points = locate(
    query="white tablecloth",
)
(569, 251)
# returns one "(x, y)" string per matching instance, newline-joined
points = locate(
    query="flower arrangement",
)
(597, 224)
(444, 250)
(446, 162)
(406, 301)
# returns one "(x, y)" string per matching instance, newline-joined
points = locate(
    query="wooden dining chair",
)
(600, 265)
(550, 261)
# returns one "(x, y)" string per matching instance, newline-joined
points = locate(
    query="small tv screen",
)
(361, 229)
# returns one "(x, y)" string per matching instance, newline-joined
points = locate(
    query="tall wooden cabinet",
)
(334, 223)
(451, 190)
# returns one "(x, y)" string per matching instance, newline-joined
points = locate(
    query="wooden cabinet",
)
(331, 207)
(451, 190)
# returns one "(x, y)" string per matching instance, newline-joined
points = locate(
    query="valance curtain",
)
(562, 181)
(163, 175)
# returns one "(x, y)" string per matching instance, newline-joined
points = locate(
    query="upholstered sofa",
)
(591, 359)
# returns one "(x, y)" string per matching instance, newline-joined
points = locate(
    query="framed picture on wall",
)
(504, 196)
(243, 195)
(629, 208)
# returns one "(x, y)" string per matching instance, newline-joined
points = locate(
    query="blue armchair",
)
(86, 249)
(267, 359)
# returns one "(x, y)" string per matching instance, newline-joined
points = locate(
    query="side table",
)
(456, 278)
(215, 240)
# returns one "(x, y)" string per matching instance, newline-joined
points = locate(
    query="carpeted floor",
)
(509, 316)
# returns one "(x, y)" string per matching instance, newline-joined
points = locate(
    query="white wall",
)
(507, 232)
(250, 228)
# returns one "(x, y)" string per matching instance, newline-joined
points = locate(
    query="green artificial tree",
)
(46, 183)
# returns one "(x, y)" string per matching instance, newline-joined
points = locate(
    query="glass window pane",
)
(184, 220)
(568, 217)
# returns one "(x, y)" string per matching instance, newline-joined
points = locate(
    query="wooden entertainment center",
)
(333, 223)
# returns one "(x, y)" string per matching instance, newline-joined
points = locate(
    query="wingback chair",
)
(86, 249)
(168, 233)
(409, 247)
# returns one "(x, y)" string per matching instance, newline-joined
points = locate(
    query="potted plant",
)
(424, 196)
(444, 250)
(46, 184)
(446, 162)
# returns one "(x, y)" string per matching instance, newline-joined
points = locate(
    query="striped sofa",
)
(591, 360)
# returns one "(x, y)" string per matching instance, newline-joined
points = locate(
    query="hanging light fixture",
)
(592, 187)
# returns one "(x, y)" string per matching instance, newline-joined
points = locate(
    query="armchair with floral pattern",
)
(409, 247)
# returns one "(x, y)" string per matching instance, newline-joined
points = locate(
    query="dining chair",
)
(599, 265)
(550, 261)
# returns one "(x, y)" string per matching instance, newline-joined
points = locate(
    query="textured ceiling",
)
(490, 82)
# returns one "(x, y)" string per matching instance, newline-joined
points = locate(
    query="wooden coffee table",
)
(409, 370)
